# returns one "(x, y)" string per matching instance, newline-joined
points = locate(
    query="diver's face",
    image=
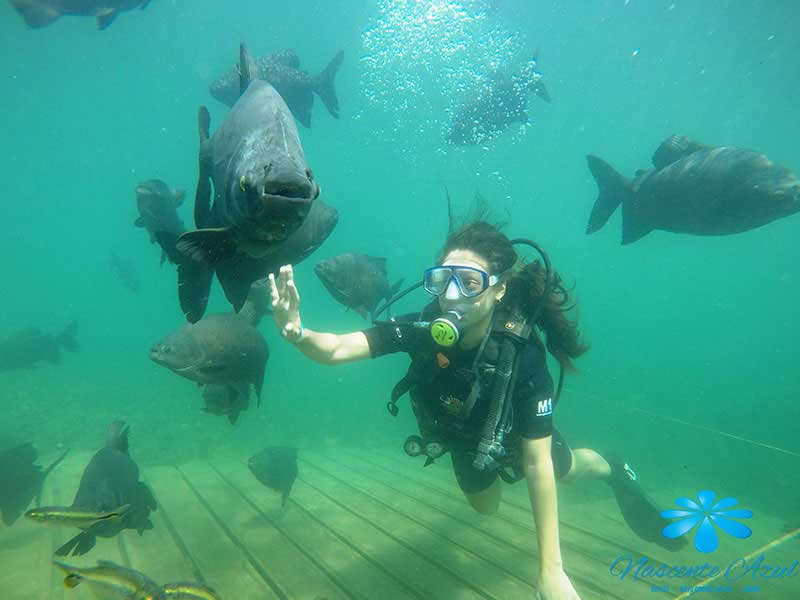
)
(473, 310)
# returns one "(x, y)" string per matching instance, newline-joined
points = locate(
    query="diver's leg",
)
(481, 488)
(586, 463)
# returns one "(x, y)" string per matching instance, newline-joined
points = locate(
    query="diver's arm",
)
(333, 349)
(325, 348)
(538, 465)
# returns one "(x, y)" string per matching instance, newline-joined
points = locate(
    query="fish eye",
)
(310, 175)
(242, 181)
(167, 349)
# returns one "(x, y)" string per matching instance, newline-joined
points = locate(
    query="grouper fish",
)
(282, 70)
(41, 13)
(263, 191)
(357, 281)
(695, 189)
(218, 349)
(111, 481)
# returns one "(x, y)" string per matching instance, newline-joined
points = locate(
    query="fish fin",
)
(139, 222)
(541, 91)
(247, 68)
(46, 472)
(67, 337)
(179, 195)
(323, 84)
(612, 187)
(35, 13)
(208, 245)
(78, 545)
(106, 17)
(634, 227)
(233, 416)
(284, 498)
(203, 123)
(194, 287)
(168, 240)
(362, 311)
(235, 286)
(258, 384)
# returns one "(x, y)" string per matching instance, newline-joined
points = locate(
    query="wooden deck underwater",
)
(372, 526)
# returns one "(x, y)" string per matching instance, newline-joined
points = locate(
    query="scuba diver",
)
(479, 384)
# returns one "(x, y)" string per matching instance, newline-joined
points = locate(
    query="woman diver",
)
(471, 348)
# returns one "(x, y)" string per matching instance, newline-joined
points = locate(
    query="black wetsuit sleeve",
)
(391, 337)
(534, 402)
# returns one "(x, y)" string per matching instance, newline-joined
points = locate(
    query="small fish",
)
(25, 348)
(357, 281)
(41, 13)
(71, 516)
(110, 581)
(296, 87)
(126, 272)
(189, 591)
(276, 468)
(695, 189)
(263, 190)
(500, 102)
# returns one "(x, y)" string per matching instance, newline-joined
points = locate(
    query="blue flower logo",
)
(707, 514)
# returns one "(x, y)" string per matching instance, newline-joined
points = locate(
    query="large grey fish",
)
(296, 87)
(276, 468)
(695, 189)
(25, 348)
(40, 13)
(263, 190)
(21, 480)
(226, 400)
(357, 281)
(500, 102)
(110, 581)
(218, 349)
(157, 204)
(111, 480)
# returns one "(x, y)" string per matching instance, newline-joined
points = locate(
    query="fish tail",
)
(77, 545)
(323, 84)
(612, 190)
(67, 338)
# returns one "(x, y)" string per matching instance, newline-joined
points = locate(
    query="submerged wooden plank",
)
(457, 555)
(292, 570)
(510, 547)
(218, 560)
(352, 571)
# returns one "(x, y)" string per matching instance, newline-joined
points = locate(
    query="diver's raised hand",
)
(285, 304)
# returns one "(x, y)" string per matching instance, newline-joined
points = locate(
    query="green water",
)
(698, 329)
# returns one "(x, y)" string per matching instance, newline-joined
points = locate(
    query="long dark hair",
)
(526, 285)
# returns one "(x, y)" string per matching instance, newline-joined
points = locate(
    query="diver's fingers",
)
(282, 282)
(294, 295)
(273, 291)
